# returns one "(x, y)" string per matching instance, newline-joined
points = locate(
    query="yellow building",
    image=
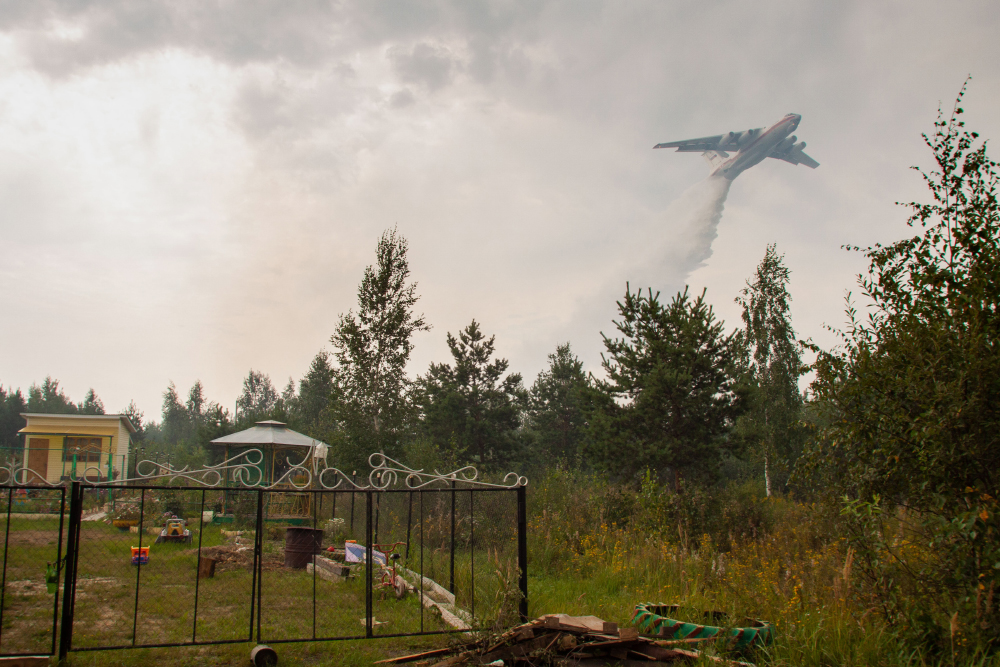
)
(64, 447)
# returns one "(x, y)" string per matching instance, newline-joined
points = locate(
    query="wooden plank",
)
(579, 623)
(416, 656)
(25, 661)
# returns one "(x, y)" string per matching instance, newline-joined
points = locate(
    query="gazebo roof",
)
(268, 433)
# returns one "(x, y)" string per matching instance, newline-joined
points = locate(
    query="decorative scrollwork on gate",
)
(17, 473)
(246, 469)
(386, 473)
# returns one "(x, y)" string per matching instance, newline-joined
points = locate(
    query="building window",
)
(87, 450)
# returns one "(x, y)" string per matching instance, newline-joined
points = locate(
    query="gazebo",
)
(287, 455)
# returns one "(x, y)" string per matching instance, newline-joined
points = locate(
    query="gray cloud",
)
(402, 99)
(431, 65)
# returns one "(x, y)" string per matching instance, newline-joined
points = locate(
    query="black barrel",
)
(301, 544)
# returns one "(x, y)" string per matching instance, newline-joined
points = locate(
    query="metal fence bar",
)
(315, 518)
(259, 548)
(409, 521)
(59, 566)
(138, 571)
(472, 549)
(72, 555)
(451, 566)
(256, 556)
(522, 550)
(6, 541)
(368, 564)
(197, 576)
(421, 561)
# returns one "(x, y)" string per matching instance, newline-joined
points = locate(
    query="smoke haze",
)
(663, 256)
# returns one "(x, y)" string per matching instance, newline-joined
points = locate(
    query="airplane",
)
(751, 147)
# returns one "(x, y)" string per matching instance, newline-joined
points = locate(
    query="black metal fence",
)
(433, 560)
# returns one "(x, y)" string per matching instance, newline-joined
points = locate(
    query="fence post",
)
(451, 559)
(69, 582)
(368, 564)
(260, 559)
(522, 549)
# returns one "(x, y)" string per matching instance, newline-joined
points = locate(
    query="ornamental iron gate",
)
(455, 545)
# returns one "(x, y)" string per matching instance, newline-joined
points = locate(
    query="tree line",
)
(678, 394)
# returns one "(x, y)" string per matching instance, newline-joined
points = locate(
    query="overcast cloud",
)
(192, 189)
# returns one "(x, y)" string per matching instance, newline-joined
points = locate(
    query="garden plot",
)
(166, 602)
(28, 606)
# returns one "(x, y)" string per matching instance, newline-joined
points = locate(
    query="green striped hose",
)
(657, 619)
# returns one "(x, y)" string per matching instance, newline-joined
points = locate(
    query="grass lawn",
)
(107, 613)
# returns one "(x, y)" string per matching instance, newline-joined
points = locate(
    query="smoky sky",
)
(192, 189)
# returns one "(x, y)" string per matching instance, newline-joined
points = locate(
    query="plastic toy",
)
(174, 530)
(140, 555)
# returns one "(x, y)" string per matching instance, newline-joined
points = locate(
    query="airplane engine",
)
(743, 138)
(799, 146)
(785, 144)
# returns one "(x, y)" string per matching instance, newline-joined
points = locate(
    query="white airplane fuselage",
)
(757, 148)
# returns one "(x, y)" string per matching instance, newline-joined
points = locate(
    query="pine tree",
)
(175, 420)
(49, 399)
(557, 405)
(92, 405)
(470, 406)
(135, 416)
(316, 390)
(12, 404)
(668, 401)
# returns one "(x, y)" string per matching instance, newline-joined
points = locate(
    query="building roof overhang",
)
(79, 419)
(268, 433)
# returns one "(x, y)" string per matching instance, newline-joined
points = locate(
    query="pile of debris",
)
(566, 641)
(236, 557)
(229, 554)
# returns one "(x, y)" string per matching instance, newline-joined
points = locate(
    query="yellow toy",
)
(174, 530)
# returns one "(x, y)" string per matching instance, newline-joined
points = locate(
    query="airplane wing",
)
(693, 145)
(730, 141)
(795, 157)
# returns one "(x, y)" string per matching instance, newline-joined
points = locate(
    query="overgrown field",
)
(600, 549)
(594, 548)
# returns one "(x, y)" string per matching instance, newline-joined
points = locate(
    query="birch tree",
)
(373, 346)
(771, 360)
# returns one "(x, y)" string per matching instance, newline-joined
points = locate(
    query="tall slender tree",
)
(373, 346)
(771, 363)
